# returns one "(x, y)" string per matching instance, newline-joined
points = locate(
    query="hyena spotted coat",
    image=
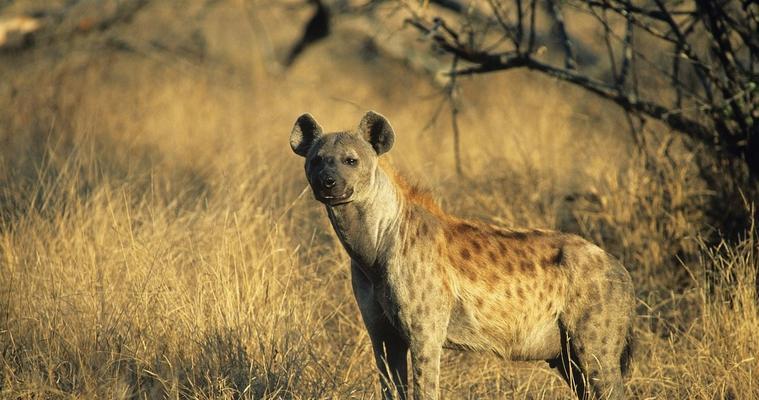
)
(425, 280)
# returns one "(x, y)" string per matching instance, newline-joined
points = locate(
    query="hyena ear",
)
(376, 130)
(305, 131)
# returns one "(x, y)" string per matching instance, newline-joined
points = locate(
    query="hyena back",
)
(425, 280)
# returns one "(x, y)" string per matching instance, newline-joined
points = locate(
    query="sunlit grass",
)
(157, 240)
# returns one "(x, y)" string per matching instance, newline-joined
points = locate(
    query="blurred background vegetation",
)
(157, 238)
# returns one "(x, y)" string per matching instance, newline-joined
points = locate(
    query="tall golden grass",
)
(158, 240)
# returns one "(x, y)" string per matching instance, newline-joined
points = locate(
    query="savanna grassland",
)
(157, 238)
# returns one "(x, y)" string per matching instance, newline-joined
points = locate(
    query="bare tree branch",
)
(714, 94)
(626, 6)
(673, 119)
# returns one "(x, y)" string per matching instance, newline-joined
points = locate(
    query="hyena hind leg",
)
(597, 348)
(568, 365)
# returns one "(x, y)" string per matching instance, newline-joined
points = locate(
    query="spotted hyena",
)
(425, 279)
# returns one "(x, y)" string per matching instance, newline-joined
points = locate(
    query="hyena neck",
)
(368, 226)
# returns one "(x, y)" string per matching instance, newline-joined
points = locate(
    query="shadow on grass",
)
(46, 176)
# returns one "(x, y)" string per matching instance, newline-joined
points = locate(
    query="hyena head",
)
(341, 167)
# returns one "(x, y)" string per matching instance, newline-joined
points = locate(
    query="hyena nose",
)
(328, 182)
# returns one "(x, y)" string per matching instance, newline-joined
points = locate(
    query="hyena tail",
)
(627, 352)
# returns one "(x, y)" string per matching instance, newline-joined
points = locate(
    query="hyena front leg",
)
(568, 365)
(427, 323)
(390, 348)
(425, 361)
(390, 352)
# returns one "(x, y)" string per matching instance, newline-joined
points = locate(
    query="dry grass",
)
(156, 239)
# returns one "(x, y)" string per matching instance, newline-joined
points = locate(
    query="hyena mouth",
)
(333, 200)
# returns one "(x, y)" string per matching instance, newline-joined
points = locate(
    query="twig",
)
(609, 47)
(639, 55)
(629, 7)
(701, 71)
(566, 43)
(507, 29)
(676, 76)
(520, 24)
(453, 101)
(627, 52)
(531, 39)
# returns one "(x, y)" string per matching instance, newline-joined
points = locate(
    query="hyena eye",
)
(350, 161)
(316, 160)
